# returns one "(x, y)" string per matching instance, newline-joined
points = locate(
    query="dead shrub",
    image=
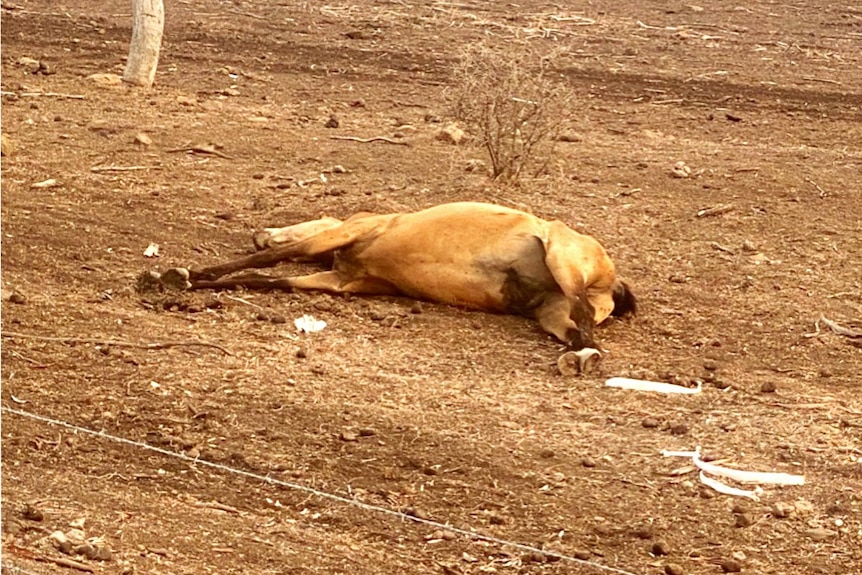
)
(515, 103)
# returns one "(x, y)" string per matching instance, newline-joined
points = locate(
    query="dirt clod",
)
(730, 565)
(660, 548)
(650, 423)
(17, 298)
(32, 513)
(673, 569)
(679, 429)
(767, 387)
(743, 520)
(782, 510)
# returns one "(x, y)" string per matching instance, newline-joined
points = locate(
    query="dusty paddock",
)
(454, 416)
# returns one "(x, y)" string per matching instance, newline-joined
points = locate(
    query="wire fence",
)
(401, 516)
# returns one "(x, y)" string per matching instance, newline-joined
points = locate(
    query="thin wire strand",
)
(318, 493)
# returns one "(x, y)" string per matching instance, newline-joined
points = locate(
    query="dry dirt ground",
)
(449, 415)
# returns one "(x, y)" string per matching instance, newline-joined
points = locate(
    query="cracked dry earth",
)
(454, 416)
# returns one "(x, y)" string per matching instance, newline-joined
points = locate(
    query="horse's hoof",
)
(583, 361)
(176, 279)
(261, 240)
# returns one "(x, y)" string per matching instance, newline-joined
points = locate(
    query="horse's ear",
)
(624, 300)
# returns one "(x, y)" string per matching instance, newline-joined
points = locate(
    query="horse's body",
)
(476, 255)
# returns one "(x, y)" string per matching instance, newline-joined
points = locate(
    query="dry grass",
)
(515, 103)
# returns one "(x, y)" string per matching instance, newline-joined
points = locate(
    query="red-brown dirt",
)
(456, 416)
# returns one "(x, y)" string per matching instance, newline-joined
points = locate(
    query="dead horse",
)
(468, 254)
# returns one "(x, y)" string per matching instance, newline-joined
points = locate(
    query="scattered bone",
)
(836, 328)
(152, 251)
(643, 385)
(143, 139)
(51, 183)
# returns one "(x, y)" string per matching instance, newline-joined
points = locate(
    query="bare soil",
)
(455, 416)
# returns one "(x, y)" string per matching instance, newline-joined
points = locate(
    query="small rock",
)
(86, 550)
(680, 170)
(677, 278)
(730, 566)
(706, 493)
(105, 80)
(679, 429)
(547, 454)
(495, 519)
(744, 520)
(416, 308)
(710, 364)
(368, 432)
(643, 531)
(588, 461)
(783, 510)
(474, 166)
(103, 553)
(301, 353)
(7, 147)
(277, 319)
(338, 169)
(61, 542)
(820, 534)
(348, 436)
(230, 92)
(720, 384)
(582, 554)
(226, 216)
(417, 513)
(143, 139)
(660, 548)
(673, 569)
(650, 423)
(17, 298)
(534, 557)
(748, 246)
(570, 137)
(451, 134)
(32, 513)
(357, 35)
(76, 536)
(332, 122)
(30, 65)
(186, 100)
(767, 387)
(803, 507)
